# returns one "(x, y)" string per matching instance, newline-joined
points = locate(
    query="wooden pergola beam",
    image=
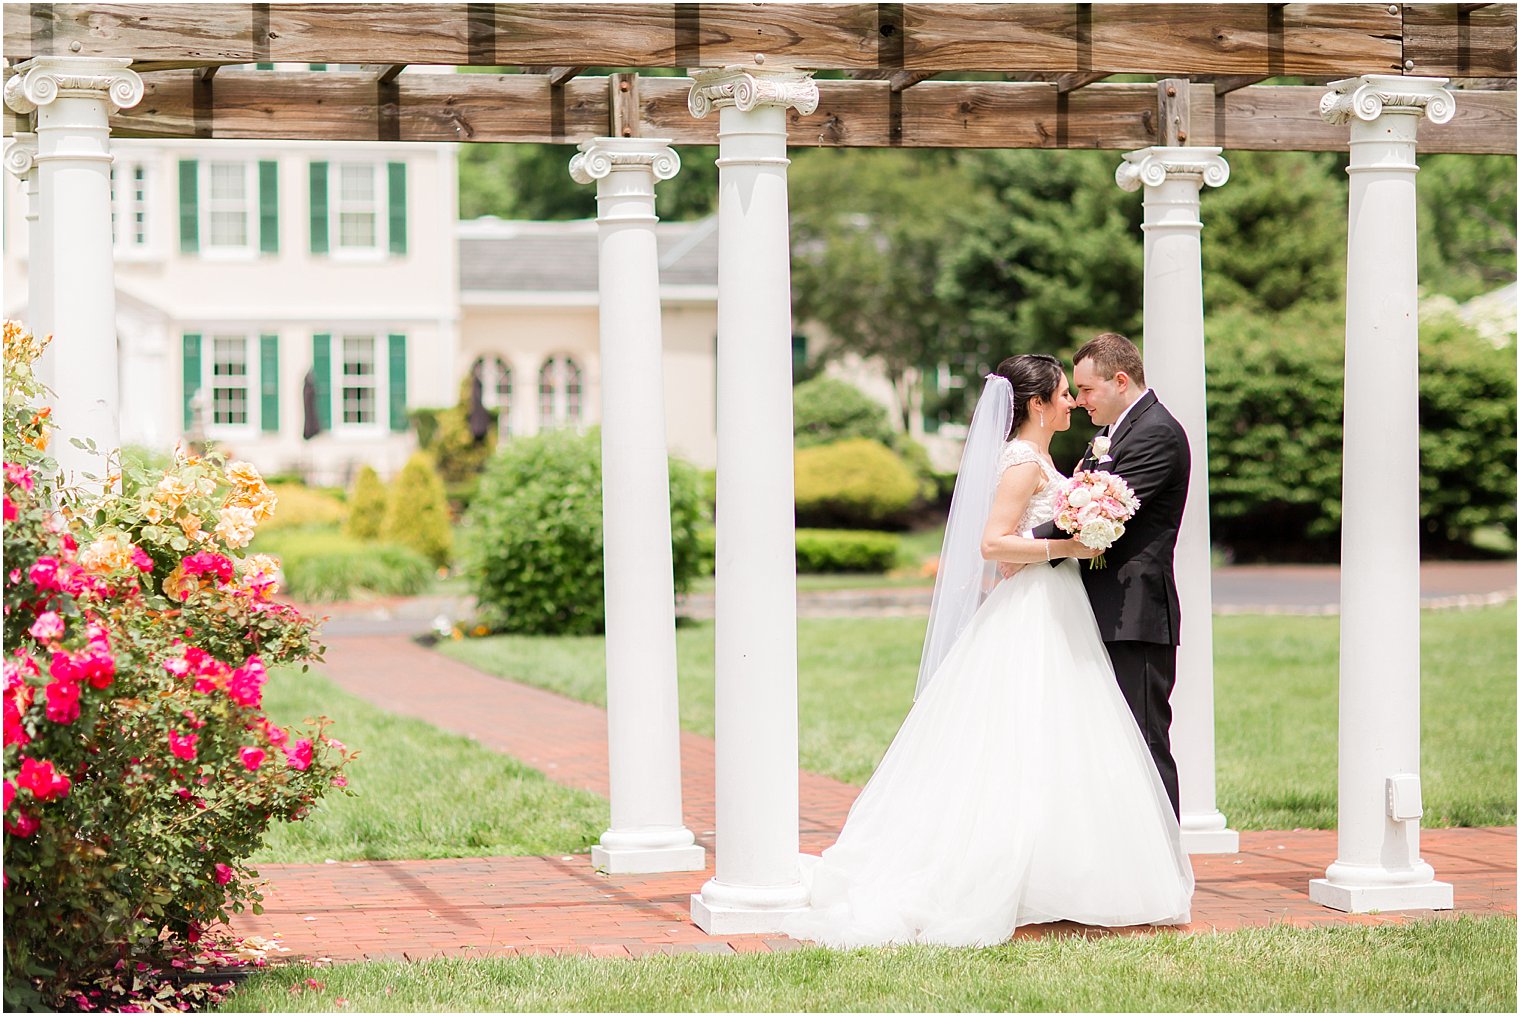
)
(338, 106)
(384, 73)
(896, 80)
(1163, 39)
(1065, 83)
(557, 75)
(1234, 82)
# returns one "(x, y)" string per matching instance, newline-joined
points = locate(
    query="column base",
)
(1362, 899)
(721, 909)
(647, 860)
(1211, 841)
(1207, 832)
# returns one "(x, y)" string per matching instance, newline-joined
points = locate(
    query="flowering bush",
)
(140, 771)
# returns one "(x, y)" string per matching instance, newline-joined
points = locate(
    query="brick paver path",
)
(512, 905)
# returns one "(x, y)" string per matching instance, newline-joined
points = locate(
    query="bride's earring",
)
(1042, 418)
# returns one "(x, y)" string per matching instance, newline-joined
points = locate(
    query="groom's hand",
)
(1008, 570)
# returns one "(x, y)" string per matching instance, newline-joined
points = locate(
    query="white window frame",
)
(380, 206)
(250, 247)
(251, 383)
(558, 415)
(379, 380)
(129, 198)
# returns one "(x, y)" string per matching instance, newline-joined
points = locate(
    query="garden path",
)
(512, 905)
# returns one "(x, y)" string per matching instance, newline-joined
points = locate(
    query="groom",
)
(1134, 598)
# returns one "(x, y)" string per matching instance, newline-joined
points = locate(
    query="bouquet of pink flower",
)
(1093, 507)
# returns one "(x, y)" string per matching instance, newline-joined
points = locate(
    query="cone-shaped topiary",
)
(366, 509)
(417, 513)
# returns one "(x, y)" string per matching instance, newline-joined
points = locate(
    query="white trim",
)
(251, 384)
(575, 298)
(249, 249)
(124, 204)
(379, 379)
(379, 206)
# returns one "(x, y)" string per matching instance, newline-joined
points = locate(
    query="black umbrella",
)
(311, 423)
(480, 416)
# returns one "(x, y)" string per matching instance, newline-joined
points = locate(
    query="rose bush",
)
(140, 770)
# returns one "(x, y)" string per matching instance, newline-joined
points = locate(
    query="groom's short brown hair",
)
(1111, 353)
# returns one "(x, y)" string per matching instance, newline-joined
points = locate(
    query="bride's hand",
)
(1081, 551)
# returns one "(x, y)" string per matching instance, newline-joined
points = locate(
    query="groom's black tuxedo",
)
(1134, 598)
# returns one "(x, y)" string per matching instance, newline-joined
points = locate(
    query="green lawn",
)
(1463, 965)
(1275, 695)
(421, 792)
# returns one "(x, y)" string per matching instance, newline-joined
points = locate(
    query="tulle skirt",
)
(1018, 791)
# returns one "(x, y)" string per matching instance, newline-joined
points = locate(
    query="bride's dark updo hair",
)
(1033, 375)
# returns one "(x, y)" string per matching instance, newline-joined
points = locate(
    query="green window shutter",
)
(269, 207)
(398, 383)
(799, 353)
(319, 208)
(930, 396)
(269, 383)
(189, 207)
(397, 190)
(192, 372)
(263, 67)
(321, 366)
(316, 67)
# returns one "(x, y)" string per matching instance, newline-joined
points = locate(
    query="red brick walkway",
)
(511, 905)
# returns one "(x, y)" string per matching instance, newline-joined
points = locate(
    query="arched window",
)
(559, 393)
(495, 376)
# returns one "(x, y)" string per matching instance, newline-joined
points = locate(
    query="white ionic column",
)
(1173, 315)
(1378, 864)
(73, 98)
(758, 877)
(643, 718)
(21, 159)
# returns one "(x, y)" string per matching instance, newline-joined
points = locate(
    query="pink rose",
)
(141, 559)
(10, 794)
(278, 736)
(340, 780)
(44, 573)
(183, 745)
(62, 702)
(178, 666)
(252, 758)
(19, 475)
(45, 782)
(48, 627)
(23, 825)
(97, 666)
(11, 512)
(223, 874)
(246, 688)
(298, 755)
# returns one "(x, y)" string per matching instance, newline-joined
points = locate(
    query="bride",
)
(1019, 789)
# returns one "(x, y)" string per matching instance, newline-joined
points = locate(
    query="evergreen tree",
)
(366, 508)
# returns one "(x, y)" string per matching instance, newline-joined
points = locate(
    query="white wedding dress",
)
(1017, 791)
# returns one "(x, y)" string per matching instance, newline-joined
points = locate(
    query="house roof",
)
(501, 256)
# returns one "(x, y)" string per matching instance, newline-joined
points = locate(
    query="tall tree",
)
(870, 234)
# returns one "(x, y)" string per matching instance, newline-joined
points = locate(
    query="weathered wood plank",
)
(1280, 117)
(1445, 42)
(1339, 39)
(1165, 39)
(934, 114)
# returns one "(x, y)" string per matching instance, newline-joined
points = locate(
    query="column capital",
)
(1155, 165)
(600, 156)
(748, 87)
(41, 80)
(21, 153)
(1371, 95)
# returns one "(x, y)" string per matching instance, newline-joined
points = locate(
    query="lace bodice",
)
(1042, 505)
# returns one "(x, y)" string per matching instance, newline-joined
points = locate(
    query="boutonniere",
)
(1100, 446)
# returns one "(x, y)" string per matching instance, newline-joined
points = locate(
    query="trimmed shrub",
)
(1276, 388)
(299, 506)
(417, 513)
(537, 520)
(325, 565)
(854, 484)
(367, 506)
(845, 550)
(826, 410)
